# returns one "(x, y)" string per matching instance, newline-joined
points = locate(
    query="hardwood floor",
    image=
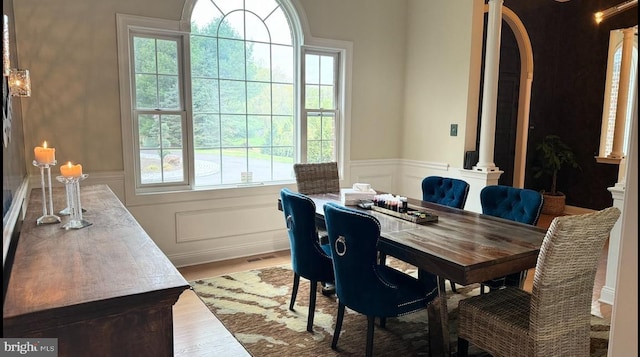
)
(197, 332)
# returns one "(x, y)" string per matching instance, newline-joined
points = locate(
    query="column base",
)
(478, 180)
(607, 295)
(486, 169)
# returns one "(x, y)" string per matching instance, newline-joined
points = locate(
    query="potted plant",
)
(552, 155)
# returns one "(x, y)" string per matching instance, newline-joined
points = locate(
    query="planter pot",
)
(553, 204)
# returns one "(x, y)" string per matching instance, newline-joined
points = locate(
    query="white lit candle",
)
(45, 155)
(70, 170)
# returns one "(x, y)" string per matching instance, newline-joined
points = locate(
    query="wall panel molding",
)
(211, 224)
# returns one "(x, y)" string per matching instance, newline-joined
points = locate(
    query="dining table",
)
(462, 246)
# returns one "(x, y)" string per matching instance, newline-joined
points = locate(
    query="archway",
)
(524, 93)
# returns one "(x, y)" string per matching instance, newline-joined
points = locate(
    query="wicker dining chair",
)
(314, 178)
(554, 319)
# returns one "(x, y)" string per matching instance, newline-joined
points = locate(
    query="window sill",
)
(608, 160)
(203, 194)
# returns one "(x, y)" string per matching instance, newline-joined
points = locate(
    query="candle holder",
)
(67, 210)
(72, 186)
(47, 196)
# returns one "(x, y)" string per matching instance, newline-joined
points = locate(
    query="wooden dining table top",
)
(463, 246)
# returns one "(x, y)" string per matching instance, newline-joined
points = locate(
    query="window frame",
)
(294, 44)
(305, 113)
(128, 23)
(182, 111)
(615, 46)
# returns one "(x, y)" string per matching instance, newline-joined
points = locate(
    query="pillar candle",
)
(45, 155)
(70, 170)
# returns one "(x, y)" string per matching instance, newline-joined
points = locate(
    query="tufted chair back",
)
(445, 191)
(360, 281)
(517, 204)
(362, 284)
(308, 259)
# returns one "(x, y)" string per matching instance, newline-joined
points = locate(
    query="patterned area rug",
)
(254, 306)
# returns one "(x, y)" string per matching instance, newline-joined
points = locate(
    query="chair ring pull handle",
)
(343, 243)
(289, 222)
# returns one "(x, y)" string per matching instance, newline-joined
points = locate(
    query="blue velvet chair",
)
(516, 204)
(445, 191)
(308, 259)
(362, 284)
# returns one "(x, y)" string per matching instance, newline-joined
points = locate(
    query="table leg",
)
(439, 323)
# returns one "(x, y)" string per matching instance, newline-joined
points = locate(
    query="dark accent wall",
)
(570, 61)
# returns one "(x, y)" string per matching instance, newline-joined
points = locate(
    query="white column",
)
(622, 172)
(624, 316)
(623, 93)
(608, 292)
(490, 90)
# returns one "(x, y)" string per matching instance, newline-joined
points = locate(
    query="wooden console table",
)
(103, 290)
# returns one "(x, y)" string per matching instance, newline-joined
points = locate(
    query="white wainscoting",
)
(196, 225)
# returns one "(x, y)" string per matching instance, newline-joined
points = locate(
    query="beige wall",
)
(377, 30)
(69, 46)
(402, 86)
(441, 81)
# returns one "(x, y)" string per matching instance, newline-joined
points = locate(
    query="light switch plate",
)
(454, 130)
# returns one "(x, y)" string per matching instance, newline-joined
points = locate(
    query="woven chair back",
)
(315, 178)
(308, 259)
(564, 277)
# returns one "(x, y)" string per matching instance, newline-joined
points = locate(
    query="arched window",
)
(229, 97)
(242, 86)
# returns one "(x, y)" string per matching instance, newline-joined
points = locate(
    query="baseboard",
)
(607, 295)
(231, 252)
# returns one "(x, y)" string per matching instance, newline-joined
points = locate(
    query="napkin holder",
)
(359, 192)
